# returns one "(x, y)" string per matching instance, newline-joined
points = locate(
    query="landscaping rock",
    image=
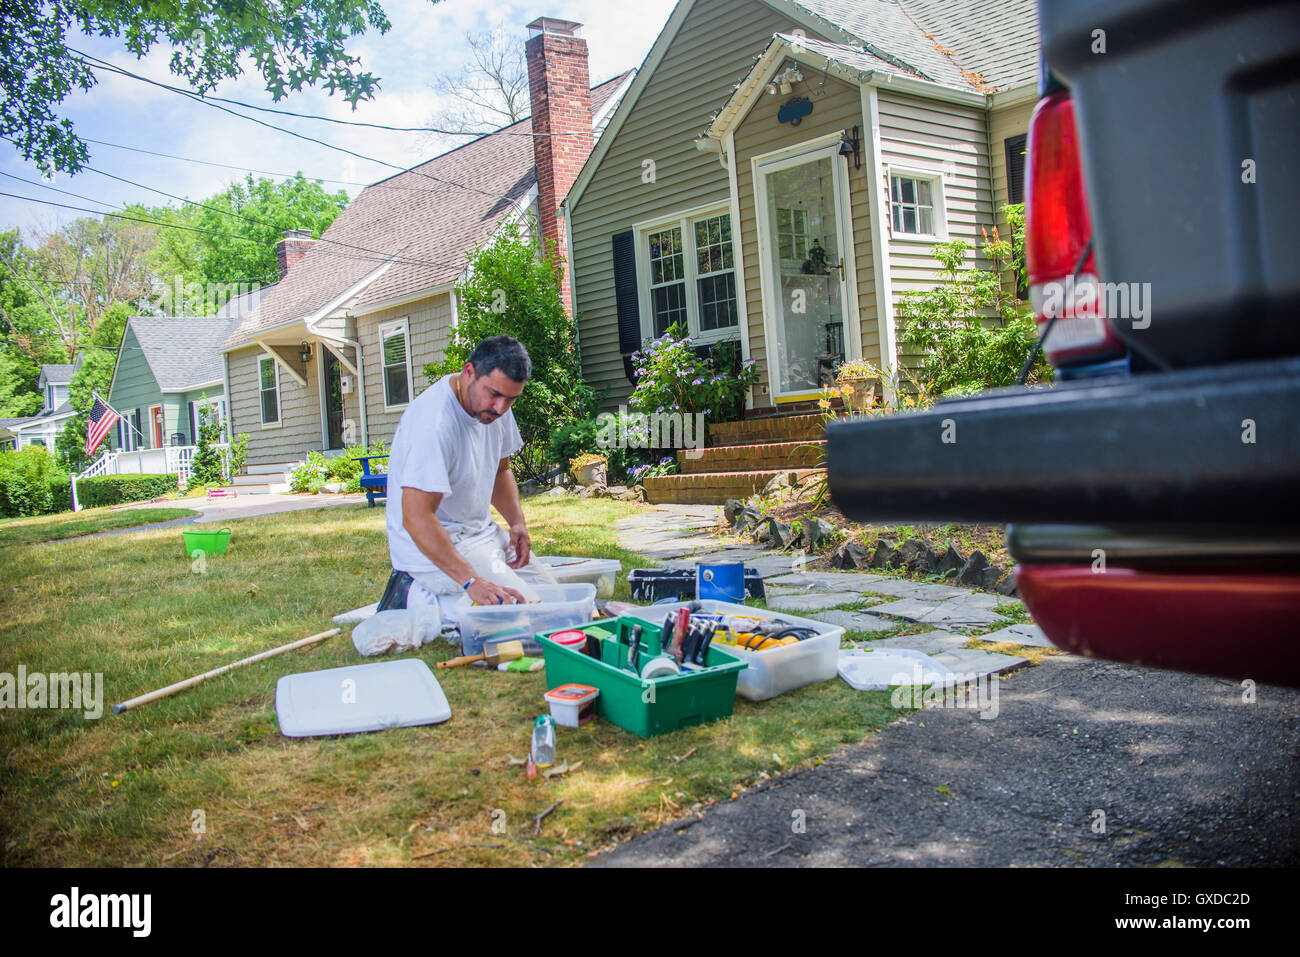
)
(989, 577)
(731, 509)
(555, 492)
(641, 494)
(815, 532)
(970, 572)
(950, 564)
(850, 555)
(885, 556)
(747, 518)
(918, 556)
(1008, 586)
(771, 532)
(780, 482)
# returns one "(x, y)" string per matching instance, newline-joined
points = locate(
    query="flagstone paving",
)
(674, 534)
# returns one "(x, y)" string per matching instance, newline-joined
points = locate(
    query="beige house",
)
(779, 171)
(334, 353)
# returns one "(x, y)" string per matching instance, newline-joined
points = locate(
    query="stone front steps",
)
(264, 478)
(741, 458)
(712, 488)
(764, 457)
(790, 428)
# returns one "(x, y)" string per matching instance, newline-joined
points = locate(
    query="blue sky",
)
(425, 39)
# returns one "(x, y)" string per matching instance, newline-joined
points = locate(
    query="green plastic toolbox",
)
(644, 706)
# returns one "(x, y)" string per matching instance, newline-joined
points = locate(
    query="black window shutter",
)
(625, 296)
(1015, 146)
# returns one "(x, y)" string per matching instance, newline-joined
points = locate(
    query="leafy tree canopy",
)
(293, 43)
(258, 211)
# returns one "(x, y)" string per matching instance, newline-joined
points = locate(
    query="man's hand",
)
(484, 592)
(522, 545)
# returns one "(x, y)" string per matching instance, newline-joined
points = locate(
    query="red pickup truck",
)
(1153, 492)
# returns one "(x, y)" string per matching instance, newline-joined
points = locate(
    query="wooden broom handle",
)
(191, 682)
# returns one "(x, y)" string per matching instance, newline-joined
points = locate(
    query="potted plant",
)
(859, 383)
(588, 469)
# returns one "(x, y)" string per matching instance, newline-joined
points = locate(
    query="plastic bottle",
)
(544, 741)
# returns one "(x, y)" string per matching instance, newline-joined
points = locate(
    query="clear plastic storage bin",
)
(772, 671)
(562, 606)
(600, 572)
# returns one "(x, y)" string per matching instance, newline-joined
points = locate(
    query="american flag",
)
(101, 420)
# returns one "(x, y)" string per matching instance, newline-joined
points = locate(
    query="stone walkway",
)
(679, 536)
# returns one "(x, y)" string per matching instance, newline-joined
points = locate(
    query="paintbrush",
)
(502, 651)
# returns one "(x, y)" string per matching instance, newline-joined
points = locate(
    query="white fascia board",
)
(1025, 93)
(350, 293)
(395, 302)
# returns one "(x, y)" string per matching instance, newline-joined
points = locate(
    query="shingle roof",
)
(181, 351)
(964, 44)
(421, 222)
(887, 31)
(856, 58)
(57, 374)
(241, 306)
(997, 39)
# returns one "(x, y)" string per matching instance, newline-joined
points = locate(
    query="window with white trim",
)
(395, 347)
(268, 375)
(911, 205)
(691, 275)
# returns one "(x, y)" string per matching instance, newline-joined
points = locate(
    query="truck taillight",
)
(1057, 229)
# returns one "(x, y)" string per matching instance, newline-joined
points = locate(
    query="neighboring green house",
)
(166, 368)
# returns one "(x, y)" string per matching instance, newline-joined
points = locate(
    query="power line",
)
(133, 219)
(378, 256)
(103, 65)
(262, 222)
(504, 131)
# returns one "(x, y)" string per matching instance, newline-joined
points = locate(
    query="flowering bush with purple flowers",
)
(671, 377)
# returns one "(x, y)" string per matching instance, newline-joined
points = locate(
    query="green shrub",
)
(971, 332)
(206, 468)
(116, 489)
(29, 480)
(671, 377)
(572, 439)
(311, 475)
(509, 289)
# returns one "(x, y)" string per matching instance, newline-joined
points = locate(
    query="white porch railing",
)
(175, 460)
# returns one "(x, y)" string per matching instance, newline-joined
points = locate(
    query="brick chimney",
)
(292, 248)
(559, 87)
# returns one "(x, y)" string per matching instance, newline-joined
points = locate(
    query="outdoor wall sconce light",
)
(304, 353)
(850, 145)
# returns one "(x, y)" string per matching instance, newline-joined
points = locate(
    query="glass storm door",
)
(333, 400)
(800, 202)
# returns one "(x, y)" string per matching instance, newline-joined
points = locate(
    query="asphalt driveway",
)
(1087, 763)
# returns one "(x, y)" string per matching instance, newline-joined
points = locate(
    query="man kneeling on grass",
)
(449, 462)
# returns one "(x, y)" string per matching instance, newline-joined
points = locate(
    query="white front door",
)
(803, 241)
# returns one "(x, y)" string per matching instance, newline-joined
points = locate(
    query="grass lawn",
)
(50, 528)
(125, 790)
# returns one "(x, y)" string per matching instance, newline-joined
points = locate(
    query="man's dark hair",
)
(501, 352)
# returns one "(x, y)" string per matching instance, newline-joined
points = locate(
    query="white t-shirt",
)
(439, 447)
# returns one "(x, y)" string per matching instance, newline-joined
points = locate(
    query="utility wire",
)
(103, 65)
(377, 256)
(262, 222)
(504, 131)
